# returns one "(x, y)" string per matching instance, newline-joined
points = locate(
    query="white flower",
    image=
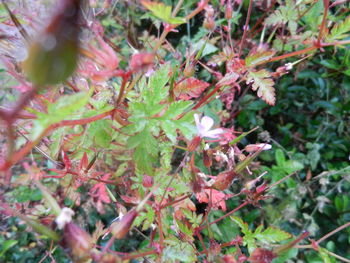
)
(204, 125)
(64, 217)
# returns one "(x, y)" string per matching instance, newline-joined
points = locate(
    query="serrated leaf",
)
(272, 235)
(145, 139)
(67, 105)
(170, 130)
(258, 58)
(178, 251)
(143, 160)
(285, 14)
(242, 225)
(339, 30)
(175, 109)
(190, 88)
(185, 125)
(163, 12)
(156, 90)
(263, 83)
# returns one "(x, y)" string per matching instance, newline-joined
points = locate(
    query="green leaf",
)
(143, 160)
(285, 14)
(185, 125)
(100, 133)
(208, 48)
(170, 130)
(272, 235)
(178, 251)
(324, 255)
(258, 58)
(175, 109)
(156, 90)
(280, 158)
(146, 150)
(163, 12)
(263, 83)
(67, 105)
(242, 225)
(6, 245)
(340, 30)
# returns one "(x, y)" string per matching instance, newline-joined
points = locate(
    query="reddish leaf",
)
(224, 180)
(217, 198)
(84, 162)
(190, 88)
(100, 192)
(66, 161)
(261, 255)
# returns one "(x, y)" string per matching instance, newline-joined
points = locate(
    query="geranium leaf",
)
(190, 88)
(163, 12)
(258, 58)
(263, 83)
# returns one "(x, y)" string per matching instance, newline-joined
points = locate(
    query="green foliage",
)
(284, 15)
(163, 12)
(340, 30)
(268, 236)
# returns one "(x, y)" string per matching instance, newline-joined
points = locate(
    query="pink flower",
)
(204, 125)
(258, 147)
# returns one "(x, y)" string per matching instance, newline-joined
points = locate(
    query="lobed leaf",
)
(263, 83)
(163, 12)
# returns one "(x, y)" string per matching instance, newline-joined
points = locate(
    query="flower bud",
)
(257, 147)
(79, 242)
(121, 227)
(147, 181)
(209, 23)
(228, 11)
(54, 53)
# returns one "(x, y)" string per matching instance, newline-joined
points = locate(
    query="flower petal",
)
(207, 122)
(216, 133)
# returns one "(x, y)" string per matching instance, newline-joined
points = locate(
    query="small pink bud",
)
(209, 23)
(257, 147)
(228, 11)
(147, 181)
(79, 242)
(121, 227)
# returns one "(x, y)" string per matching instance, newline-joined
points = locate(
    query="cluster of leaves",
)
(105, 137)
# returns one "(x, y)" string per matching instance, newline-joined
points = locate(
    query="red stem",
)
(245, 30)
(324, 20)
